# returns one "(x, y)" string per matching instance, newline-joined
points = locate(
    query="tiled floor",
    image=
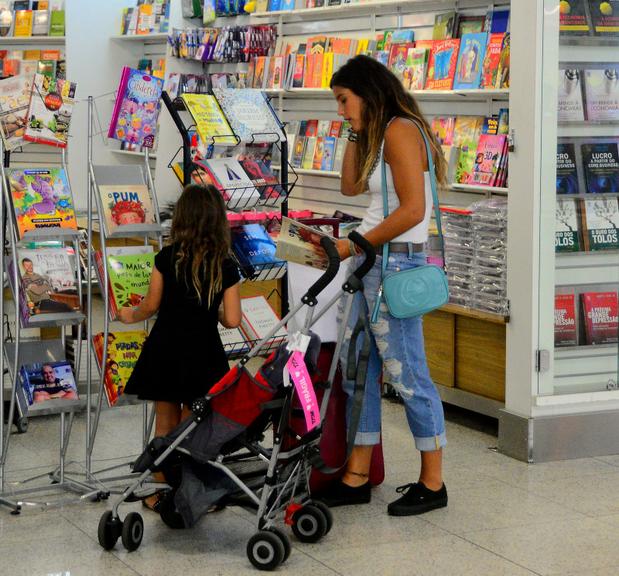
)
(504, 517)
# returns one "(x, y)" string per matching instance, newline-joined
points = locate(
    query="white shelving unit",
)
(32, 40)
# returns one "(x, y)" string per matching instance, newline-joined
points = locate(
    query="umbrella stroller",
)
(219, 456)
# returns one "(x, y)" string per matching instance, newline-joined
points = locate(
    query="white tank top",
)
(374, 213)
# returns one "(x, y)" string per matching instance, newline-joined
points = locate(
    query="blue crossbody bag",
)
(416, 291)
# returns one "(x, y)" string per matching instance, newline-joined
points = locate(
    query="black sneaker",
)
(417, 499)
(340, 494)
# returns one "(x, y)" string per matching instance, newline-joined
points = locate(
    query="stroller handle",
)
(328, 276)
(368, 250)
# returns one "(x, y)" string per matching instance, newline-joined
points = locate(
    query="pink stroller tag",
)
(305, 389)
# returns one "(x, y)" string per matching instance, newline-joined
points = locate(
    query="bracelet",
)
(352, 136)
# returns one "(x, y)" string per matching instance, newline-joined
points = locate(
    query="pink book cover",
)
(600, 315)
(487, 159)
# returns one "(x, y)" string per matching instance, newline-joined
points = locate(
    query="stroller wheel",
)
(133, 531)
(265, 550)
(327, 512)
(309, 524)
(109, 530)
(285, 540)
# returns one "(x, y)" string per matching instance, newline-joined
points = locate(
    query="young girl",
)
(194, 284)
(387, 124)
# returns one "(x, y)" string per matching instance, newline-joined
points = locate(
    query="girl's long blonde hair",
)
(200, 230)
(384, 98)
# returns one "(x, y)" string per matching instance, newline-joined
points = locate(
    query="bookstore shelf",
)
(421, 95)
(588, 129)
(135, 153)
(155, 38)
(587, 268)
(478, 189)
(590, 53)
(28, 40)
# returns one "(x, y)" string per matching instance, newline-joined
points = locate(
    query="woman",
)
(384, 118)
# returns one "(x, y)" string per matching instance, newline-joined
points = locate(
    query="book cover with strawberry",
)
(565, 320)
(442, 64)
(600, 317)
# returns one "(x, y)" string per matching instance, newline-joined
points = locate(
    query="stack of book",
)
(147, 17)
(26, 62)
(317, 144)
(459, 253)
(595, 324)
(589, 17)
(32, 18)
(589, 94)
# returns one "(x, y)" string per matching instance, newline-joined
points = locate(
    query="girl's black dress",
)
(183, 355)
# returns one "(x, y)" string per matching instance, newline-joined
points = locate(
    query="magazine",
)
(45, 381)
(300, 243)
(14, 99)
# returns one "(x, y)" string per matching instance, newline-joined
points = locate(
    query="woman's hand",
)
(125, 314)
(343, 248)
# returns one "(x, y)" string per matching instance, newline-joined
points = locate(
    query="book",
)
(442, 64)
(125, 206)
(466, 134)
(443, 128)
(41, 199)
(300, 243)
(444, 25)
(570, 106)
(50, 111)
(14, 99)
(328, 154)
(57, 23)
(567, 235)
(232, 181)
(397, 58)
(567, 172)
(40, 22)
(470, 61)
(262, 177)
(502, 75)
(469, 25)
(573, 17)
(46, 381)
(601, 166)
(258, 319)
(22, 26)
(254, 250)
(605, 17)
(129, 277)
(48, 280)
(136, 109)
(491, 61)
(487, 159)
(338, 158)
(233, 340)
(211, 124)
(123, 351)
(601, 221)
(565, 320)
(318, 153)
(250, 115)
(499, 21)
(415, 68)
(309, 152)
(298, 151)
(602, 94)
(600, 317)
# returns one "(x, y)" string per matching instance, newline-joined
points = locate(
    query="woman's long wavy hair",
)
(200, 230)
(384, 97)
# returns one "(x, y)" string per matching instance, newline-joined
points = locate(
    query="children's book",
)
(470, 60)
(570, 106)
(250, 115)
(466, 134)
(600, 317)
(232, 181)
(318, 153)
(601, 222)
(15, 94)
(499, 21)
(443, 129)
(338, 159)
(125, 206)
(602, 94)
(50, 111)
(442, 64)
(444, 25)
(258, 319)
(123, 351)
(567, 171)
(573, 17)
(491, 61)
(601, 166)
(298, 151)
(469, 25)
(309, 152)
(48, 280)
(300, 243)
(567, 235)
(42, 201)
(211, 124)
(605, 17)
(565, 320)
(414, 74)
(328, 155)
(397, 58)
(487, 159)
(134, 118)
(502, 77)
(47, 381)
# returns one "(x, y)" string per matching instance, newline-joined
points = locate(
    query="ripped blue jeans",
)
(399, 345)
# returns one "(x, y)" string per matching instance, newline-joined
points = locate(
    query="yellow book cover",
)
(35, 55)
(43, 5)
(327, 69)
(145, 19)
(262, 5)
(23, 23)
(211, 123)
(362, 46)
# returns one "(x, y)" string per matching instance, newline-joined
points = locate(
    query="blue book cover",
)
(275, 5)
(601, 164)
(500, 21)
(402, 36)
(253, 246)
(328, 153)
(287, 5)
(567, 174)
(470, 61)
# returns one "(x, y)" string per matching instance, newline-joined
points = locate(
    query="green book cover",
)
(56, 23)
(130, 277)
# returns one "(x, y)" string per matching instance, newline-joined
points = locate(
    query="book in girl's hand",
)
(48, 280)
(47, 381)
(228, 176)
(258, 319)
(300, 243)
(601, 221)
(567, 235)
(605, 17)
(565, 320)
(42, 200)
(600, 317)
(602, 94)
(50, 111)
(601, 164)
(134, 119)
(126, 206)
(442, 64)
(470, 60)
(123, 351)
(570, 106)
(567, 172)
(211, 124)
